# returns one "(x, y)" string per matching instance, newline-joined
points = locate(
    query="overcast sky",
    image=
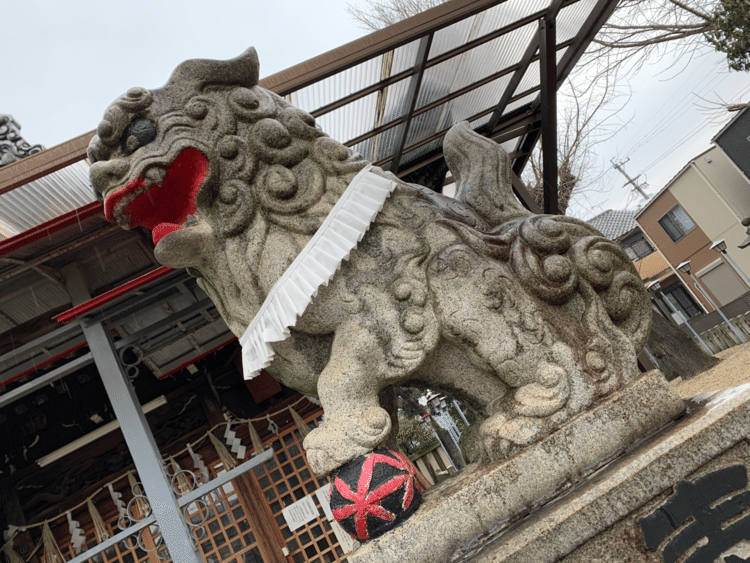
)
(64, 62)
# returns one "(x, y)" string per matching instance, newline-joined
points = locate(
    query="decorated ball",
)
(374, 493)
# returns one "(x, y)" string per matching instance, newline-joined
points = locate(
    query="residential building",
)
(702, 204)
(620, 226)
(734, 140)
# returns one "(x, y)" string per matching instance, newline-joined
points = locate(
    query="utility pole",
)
(636, 187)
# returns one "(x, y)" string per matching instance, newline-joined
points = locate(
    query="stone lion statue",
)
(343, 281)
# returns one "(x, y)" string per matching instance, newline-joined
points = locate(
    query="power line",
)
(684, 138)
(679, 110)
(637, 135)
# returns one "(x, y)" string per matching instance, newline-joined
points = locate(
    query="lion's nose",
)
(107, 174)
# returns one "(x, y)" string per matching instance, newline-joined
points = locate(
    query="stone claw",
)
(340, 439)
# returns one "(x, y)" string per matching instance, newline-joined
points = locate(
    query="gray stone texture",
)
(462, 514)
(597, 521)
(13, 146)
(531, 320)
(624, 540)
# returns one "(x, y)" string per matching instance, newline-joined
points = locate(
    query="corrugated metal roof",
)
(33, 300)
(44, 199)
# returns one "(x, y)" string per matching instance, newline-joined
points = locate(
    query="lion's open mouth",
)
(161, 199)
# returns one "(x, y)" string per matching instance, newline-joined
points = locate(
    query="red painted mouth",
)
(160, 207)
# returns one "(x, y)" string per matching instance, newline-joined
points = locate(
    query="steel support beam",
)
(38, 342)
(36, 261)
(219, 480)
(515, 80)
(370, 46)
(135, 429)
(46, 379)
(595, 20)
(463, 48)
(166, 322)
(416, 164)
(548, 80)
(412, 95)
(522, 192)
(155, 295)
(44, 356)
(114, 540)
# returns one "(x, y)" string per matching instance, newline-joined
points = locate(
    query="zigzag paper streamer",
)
(122, 510)
(77, 536)
(230, 437)
(11, 531)
(198, 463)
(314, 401)
(272, 426)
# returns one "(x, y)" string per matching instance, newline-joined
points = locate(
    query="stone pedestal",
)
(551, 499)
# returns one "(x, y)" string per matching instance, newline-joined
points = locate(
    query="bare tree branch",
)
(691, 9)
(382, 13)
(584, 120)
(652, 41)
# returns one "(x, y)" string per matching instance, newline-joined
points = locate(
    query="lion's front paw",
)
(546, 396)
(340, 439)
(319, 459)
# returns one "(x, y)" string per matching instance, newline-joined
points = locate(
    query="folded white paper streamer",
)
(344, 227)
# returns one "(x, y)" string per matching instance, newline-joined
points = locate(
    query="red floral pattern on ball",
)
(365, 502)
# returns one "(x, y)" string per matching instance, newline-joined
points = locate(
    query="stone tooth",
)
(155, 175)
(190, 221)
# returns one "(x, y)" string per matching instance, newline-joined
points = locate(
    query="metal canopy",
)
(393, 95)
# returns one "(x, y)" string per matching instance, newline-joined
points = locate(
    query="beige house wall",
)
(711, 193)
(728, 180)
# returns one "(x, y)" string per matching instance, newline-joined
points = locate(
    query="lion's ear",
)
(193, 74)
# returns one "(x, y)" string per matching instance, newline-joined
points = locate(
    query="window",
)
(637, 246)
(682, 301)
(677, 223)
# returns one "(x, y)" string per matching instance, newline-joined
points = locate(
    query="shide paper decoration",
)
(47, 542)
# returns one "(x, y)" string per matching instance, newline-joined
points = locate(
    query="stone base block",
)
(468, 516)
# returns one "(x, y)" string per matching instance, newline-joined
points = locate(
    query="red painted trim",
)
(52, 226)
(111, 295)
(197, 358)
(44, 363)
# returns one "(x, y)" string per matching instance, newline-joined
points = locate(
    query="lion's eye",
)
(138, 134)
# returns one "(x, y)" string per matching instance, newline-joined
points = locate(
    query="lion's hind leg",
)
(484, 312)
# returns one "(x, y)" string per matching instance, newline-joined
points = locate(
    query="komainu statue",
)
(343, 281)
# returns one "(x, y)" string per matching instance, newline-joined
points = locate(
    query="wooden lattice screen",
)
(221, 523)
(286, 479)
